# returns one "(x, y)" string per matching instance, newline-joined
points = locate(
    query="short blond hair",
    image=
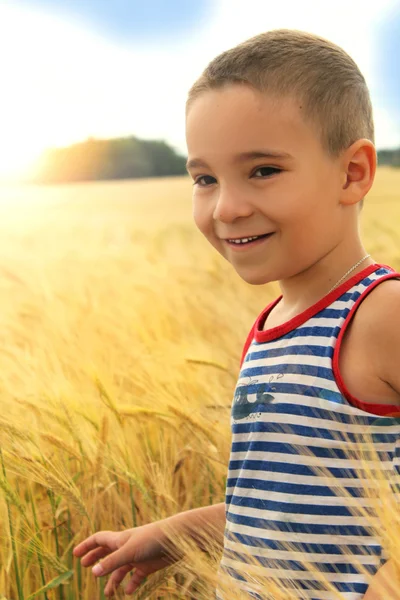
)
(319, 74)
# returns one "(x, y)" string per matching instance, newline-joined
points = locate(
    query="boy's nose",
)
(230, 207)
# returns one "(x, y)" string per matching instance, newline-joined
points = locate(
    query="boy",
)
(280, 142)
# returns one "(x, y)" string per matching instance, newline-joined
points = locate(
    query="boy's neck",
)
(311, 285)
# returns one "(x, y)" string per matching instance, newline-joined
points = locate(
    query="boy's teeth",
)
(244, 240)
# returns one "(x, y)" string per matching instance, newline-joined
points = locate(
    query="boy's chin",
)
(254, 278)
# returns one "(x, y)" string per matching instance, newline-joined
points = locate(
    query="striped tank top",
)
(293, 422)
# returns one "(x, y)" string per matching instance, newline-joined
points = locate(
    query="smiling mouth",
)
(249, 241)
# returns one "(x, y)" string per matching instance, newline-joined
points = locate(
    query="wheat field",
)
(121, 333)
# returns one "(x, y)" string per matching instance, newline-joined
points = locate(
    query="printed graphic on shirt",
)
(254, 392)
(242, 406)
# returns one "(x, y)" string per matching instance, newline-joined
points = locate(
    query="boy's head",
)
(303, 98)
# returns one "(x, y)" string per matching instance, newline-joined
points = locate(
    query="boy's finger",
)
(94, 555)
(135, 581)
(101, 538)
(116, 578)
(113, 561)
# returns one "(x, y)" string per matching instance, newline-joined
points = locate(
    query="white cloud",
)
(61, 83)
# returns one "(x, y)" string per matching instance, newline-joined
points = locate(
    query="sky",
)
(75, 69)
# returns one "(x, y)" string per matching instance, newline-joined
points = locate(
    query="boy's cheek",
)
(205, 226)
(199, 222)
(203, 222)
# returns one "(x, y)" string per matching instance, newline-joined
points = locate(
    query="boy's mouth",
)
(246, 242)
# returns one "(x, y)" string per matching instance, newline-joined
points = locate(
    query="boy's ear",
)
(358, 168)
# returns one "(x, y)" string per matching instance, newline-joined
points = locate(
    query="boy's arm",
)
(385, 584)
(201, 523)
(385, 332)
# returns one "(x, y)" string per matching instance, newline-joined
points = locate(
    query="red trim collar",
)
(276, 332)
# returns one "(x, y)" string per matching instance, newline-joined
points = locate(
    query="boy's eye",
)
(266, 171)
(198, 180)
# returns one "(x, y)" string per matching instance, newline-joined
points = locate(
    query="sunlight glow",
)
(62, 84)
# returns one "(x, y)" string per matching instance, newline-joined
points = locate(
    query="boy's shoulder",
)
(379, 320)
(381, 308)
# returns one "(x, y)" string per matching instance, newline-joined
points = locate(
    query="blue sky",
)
(71, 69)
(388, 60)
(130, 21)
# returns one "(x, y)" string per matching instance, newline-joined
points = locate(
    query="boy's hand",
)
(139, 548)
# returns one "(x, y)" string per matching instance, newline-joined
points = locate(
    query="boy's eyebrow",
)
(197, 162)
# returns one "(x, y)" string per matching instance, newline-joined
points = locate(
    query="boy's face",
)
(295, 194)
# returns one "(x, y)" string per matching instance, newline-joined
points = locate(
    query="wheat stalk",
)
(195, 424)
(101, 448)
(56, 441)
(68, 492)
(12, 430)
(12, 496)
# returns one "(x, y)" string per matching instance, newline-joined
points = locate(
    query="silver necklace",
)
(348, 273)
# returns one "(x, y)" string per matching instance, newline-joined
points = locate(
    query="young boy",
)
(280, 141)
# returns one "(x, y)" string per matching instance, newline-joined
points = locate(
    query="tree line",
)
(389, 157)
(120, 158)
